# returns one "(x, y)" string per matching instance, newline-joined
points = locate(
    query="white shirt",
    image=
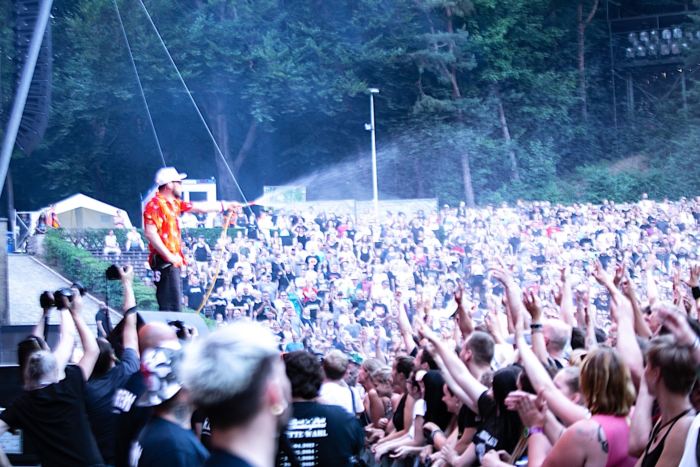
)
(340, 394)
(419, 409)
(689, 458)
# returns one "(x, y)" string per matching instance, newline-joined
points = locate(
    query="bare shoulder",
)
(584, 429)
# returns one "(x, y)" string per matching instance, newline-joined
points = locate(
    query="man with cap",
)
(160, 220)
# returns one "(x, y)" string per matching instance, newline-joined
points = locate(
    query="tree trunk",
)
(248, 142)
(581, 32)
(216, 111)
(467, 179)
(506, 136)
(457, 94)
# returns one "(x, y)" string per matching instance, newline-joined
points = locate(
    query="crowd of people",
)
(534, 334)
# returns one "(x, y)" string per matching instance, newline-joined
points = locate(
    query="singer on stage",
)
(160, 220)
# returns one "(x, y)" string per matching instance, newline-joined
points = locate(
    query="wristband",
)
(534, 430)
(536, 326)
(130, 310)
(696, 292)
(433, 433)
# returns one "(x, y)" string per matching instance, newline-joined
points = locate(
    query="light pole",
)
(371, 128)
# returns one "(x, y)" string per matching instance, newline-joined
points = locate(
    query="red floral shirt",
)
(165, 215)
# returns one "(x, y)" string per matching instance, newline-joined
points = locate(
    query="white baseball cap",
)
(167, 175)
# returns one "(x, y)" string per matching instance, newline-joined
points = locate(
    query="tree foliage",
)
(483, 100)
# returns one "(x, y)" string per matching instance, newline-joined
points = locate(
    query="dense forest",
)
(480, 100)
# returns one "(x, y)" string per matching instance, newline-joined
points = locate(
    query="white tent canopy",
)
(82, 212)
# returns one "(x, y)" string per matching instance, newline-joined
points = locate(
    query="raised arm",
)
(66, 341)
(451, 383)
(539, 346)
(87, 340)
(640, 325)
(46, 301)
(465, 320)
(567, 308)
(678, 324)
(652, 289)
(461, 374)
(203, 207)
(405, 329)
(693, 282)
(626, 338)
(130, 337)
(568, 411)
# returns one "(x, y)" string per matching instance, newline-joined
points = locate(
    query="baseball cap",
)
(160, 367)
(167, 175)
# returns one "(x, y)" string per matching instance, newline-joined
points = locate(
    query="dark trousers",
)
(166, 277)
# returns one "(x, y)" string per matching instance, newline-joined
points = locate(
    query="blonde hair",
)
(606, 382)
(381, 375)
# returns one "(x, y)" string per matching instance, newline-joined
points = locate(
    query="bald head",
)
(154, 335)
(557, 334)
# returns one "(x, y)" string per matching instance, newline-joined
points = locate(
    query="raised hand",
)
(558, 293)
(675, 322)
(619, 274)
(533, 411)
(599, 274)
(532, 305)
(459, 294)
(694, 278)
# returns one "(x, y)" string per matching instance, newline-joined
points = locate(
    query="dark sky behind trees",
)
(483, 100)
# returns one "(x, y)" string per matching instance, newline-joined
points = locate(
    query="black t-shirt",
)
(205, 434)
(492, 433)
(232, 260)
(56, 417)
(194, 296)
(467, 419)
(130, 417)
(163, 443)
(323, 435)
(221, 458)
(102, 316)
(100, 395)
(200, 253)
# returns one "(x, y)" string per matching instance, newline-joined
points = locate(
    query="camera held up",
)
(49, 300)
